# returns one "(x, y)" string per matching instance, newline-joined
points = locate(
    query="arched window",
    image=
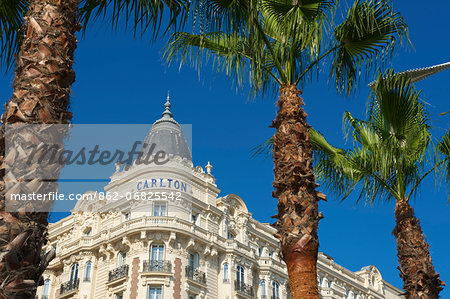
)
(73, 272)
(193, 260)
(121, 258)
(87, 272)
(225, 273)
(262, 284)
(46, 291)
(240, 274)
(275, 290)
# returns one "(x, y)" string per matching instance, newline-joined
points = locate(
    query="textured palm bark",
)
(43, 77)
(294, 184)
(420, 280)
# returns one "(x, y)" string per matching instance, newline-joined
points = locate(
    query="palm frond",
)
(444, 148)
(233, 54)
(11, 20)
(397, 111)
(367, 37)
(139, 14)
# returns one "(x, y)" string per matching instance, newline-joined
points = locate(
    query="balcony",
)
(157, 266)
(243, 288)
(69, 286)
(118, 273)
(196, 275)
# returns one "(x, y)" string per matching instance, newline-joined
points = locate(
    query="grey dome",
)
(167, 136)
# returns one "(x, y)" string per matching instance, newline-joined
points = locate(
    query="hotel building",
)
(186, 242)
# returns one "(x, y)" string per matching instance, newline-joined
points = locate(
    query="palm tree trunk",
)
(43, 77)
(294, 184)
(420, 280)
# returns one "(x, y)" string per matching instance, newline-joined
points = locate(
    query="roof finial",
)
(167, 113)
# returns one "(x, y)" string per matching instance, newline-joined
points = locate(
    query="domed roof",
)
(167, 136)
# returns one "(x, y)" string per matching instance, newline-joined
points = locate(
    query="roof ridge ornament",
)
(167, 114)
(421, 73)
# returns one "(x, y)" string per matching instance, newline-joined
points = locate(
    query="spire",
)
(167, 114)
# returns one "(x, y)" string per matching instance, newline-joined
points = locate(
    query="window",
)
(87, 231)
(87, 272)
(73, 272)
(157, 253)
(155, 292)
(118, 296)
(262, 284)
(126, 216)
(46, 291)
(121, 258)
(192, 296)
(240, 274)
(275, 290)
(159, 210)
(230, 236)
(193, 261)
(195, 218)
(226, 275)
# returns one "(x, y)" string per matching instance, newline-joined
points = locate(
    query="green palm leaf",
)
(11, 18)
(368, 38)
(140, 14)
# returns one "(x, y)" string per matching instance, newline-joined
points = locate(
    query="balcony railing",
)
(69, 286)
(274, 297)
(243, 288)
(195, 274)
(117, 273)
(157, 266)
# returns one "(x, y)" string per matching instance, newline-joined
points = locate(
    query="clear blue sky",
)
(122, 80)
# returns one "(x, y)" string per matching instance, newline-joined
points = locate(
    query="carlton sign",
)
(157, 183)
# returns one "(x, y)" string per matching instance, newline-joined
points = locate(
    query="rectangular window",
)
(126, 216)
(155, 292)
(157, 253)
(121, 259)
(194, 260)
(159, 210)
(194, 218)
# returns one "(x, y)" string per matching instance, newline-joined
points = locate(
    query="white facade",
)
(199, 246)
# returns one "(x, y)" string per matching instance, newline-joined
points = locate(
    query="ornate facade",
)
(184, 243)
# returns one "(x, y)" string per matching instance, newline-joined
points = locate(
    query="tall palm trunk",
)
(420, 280)
(43, 77)
(294, 184)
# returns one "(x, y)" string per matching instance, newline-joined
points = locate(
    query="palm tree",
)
(44, 32)
(279, 44)
(389, 161)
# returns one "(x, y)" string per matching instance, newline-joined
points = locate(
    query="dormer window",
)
(195, 218)
(87, 231)
(230, 236)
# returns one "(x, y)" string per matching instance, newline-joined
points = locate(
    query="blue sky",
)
(122, 80)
